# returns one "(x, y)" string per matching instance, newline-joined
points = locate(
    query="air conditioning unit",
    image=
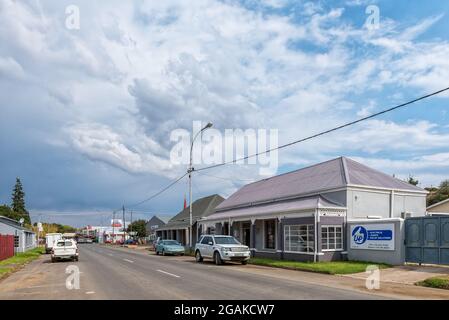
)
(406, 215)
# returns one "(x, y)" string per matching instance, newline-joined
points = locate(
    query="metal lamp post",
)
(209, 125)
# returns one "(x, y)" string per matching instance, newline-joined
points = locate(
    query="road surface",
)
(119, 273)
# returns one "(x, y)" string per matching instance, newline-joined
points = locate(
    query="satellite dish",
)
(21, 220)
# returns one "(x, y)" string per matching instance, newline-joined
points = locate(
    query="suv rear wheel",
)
(198, 256)
(217, 258)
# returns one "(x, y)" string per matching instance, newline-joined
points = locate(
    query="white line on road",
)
(168, 273)
(90, 292)
(130, 261)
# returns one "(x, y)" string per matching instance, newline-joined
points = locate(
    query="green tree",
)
(138, 226)
(18, 202)
(438, 194)
(8, 213)
(412, 180)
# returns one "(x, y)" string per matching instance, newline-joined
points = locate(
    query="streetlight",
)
(209, 125)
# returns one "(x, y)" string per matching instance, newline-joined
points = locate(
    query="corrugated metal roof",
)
(332, 174)
(274, 208)
(201, 208)
(14, 224)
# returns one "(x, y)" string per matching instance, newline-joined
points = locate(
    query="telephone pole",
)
(124, 225)
(113, 226)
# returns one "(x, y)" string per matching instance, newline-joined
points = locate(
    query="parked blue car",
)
(173, 247)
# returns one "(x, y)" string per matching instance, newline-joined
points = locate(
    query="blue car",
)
(173, 247)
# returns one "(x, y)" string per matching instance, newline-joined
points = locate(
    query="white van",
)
(50, 241)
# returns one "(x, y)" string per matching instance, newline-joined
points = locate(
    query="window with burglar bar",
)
(331, 238)
(299, 238)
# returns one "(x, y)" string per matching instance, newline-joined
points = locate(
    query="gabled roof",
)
(333, 174)
(13, 223)
(437, 204)
(155, 221)
(201, 208)
(277, 207)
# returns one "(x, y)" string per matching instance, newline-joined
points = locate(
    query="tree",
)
(438, 194)
(18, 202)
(412, 180)
(138, 226)
(8, 213)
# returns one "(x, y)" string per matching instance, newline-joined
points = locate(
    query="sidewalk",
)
(408, 274)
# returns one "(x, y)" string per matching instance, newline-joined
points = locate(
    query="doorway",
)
(246, 234)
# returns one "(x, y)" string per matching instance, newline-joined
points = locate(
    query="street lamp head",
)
(209, 125)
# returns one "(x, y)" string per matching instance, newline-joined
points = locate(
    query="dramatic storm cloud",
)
(86, 114)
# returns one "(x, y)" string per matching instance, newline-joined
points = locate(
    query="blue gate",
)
(427, 240)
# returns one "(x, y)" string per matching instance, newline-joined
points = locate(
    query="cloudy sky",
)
(86, 114)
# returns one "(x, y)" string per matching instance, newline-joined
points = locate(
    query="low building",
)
(304, 215)
(178, 226)
(440, 208)
(152, 226)
(24, 239)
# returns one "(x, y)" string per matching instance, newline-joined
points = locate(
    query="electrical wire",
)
(326, 131)
(157, 193)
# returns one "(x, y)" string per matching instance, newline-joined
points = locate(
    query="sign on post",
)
(372, 236)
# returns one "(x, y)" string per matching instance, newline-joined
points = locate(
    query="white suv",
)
(220, 249)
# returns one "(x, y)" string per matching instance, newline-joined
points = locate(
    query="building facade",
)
(303, 215)
(24, 239)
(152, 226)
(178, 226)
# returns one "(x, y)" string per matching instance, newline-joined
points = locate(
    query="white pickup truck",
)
(65, 249)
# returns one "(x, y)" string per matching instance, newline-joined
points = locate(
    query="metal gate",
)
(427, 240)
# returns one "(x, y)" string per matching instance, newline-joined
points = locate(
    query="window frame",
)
(310, 229)
(335, 226)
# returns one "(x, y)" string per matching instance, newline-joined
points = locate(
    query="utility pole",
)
(113, 226)
(191, 169)
(131, 225)
(124, 225)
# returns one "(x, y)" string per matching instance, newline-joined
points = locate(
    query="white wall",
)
(362, 203)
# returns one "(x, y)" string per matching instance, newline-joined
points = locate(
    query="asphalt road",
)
(113, 273)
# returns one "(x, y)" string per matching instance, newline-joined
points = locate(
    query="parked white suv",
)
(220, 249)
(65, 249)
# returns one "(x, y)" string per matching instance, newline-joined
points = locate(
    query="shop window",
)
(299, 238)
(270, 234)
(331, 238)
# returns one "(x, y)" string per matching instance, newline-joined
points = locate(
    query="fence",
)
(6, 246)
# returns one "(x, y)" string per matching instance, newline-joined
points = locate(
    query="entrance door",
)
(246, 234)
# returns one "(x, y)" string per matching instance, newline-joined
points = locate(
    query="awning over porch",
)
(280, 207)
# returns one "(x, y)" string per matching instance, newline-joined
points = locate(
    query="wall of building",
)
(414, 204)
(394, 257)
(442, 208)
(362, 203)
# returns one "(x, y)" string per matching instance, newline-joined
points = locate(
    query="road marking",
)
(130, 261)
(168, 273)
(90, 292)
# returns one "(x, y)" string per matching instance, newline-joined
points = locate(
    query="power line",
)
(325, 132)
(157, 193)
(226, 179)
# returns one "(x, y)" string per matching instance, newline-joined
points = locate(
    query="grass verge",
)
(13, 264)
(435, 282)
(334, 267)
